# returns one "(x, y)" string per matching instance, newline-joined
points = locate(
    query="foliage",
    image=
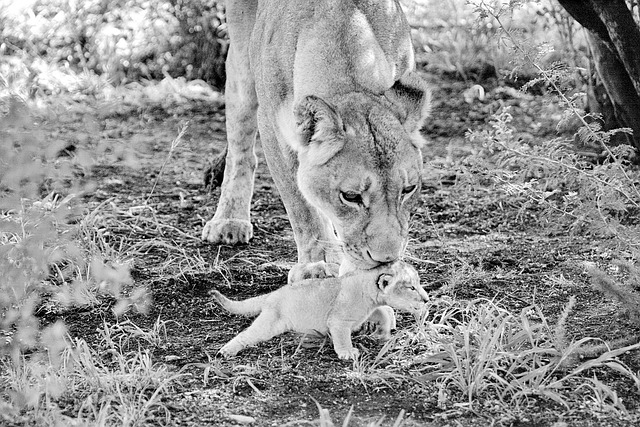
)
(595, 195)
(450, 38)
(111, 385)
(568, 190)
(54, 255)
(477, 351)
(42, 250)
(123, 39)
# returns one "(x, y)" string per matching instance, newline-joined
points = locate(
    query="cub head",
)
(399, 287)
(360, 164)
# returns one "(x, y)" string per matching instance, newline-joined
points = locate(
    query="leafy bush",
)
(449, 38)
(54, 255)
(581, 185)
(48, 253)
(569, 191)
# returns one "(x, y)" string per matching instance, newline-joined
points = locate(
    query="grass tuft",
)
(109, 386)
(477, 352)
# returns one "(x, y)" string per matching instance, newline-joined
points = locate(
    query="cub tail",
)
(247, 307)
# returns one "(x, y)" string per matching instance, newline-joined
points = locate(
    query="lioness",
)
(335, 305)
(330, 84)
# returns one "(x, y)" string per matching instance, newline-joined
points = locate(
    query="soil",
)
(455, 230)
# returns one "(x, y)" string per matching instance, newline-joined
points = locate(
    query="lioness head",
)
(360, 165)
(399, 287)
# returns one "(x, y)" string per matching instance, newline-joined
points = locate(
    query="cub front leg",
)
(341, 336)
(231, 223)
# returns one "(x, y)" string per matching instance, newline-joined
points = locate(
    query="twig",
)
(570, 167)
(545, 74)
(173, 146)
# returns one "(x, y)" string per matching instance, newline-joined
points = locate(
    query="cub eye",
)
(407, 191)
(351, 197)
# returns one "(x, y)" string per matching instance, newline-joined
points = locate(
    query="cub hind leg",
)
(266, 326)
(231, 222)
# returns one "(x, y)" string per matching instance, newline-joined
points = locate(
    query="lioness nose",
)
(381, 257)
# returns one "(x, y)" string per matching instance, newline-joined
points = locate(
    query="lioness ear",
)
(412, 98)
(384, 281)
(319, 128)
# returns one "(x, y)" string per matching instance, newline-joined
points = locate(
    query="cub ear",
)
(319, 128)
(384, 281)
(412, 98)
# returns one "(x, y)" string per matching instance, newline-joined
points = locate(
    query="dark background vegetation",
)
(126, 40)
(130, 40)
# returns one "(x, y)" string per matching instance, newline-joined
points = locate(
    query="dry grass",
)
(105, 386)
(67, 255)
(477, 352)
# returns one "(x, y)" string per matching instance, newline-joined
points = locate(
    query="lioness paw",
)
(348, 353)
(312, 270)
(227, 231)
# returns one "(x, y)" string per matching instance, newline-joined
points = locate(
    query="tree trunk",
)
(618, 86)
(614, 38)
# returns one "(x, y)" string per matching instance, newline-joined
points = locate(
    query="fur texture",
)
(338, 108)
(336, 306)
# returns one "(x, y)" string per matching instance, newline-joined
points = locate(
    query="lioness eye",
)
(408, 190)
(351, 197)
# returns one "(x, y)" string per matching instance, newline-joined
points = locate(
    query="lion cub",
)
(337, 305)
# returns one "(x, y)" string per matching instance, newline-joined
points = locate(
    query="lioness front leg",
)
(319, 253)
(231, 223)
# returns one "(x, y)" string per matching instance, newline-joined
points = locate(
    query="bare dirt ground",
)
(467, 238)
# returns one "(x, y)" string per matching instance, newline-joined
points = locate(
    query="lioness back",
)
(329, 47)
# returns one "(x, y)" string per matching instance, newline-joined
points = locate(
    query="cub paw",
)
(228, 350)
(312, 270)
(382, 335)
(227, 231)
(376, 331)
(348, 353)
